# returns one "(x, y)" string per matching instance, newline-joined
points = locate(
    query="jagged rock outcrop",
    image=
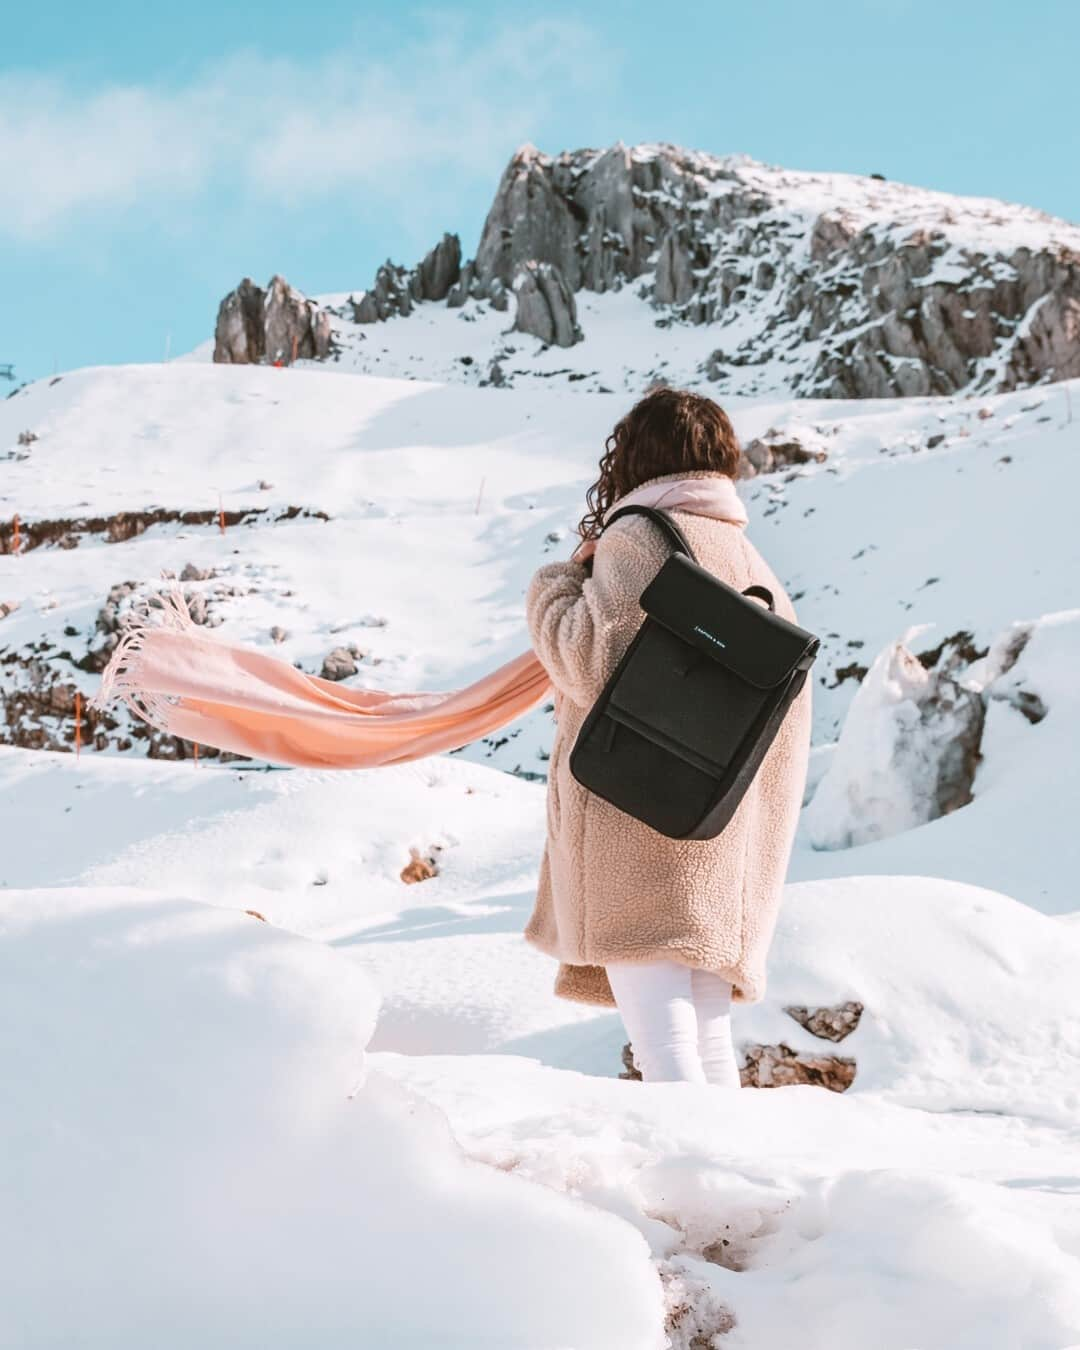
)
(38, 707)
(912, 740)
(907, 753)
(389, 295)
(275, 324)
(116, 615)
(833, 285)
(769, 1066)
(829, 1023)
(468, 287)
(545, 305)
(396, 289)
(440, 269)
(815, 284)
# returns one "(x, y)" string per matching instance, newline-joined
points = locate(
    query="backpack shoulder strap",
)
(680, 544)
(672, 533)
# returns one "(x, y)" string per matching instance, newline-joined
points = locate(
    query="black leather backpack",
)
(682, 725)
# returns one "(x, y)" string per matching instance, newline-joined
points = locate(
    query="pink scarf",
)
(188, 684)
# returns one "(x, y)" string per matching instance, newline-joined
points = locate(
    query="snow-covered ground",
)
(192, 1138)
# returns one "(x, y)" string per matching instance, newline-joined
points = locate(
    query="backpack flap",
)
(737, 632)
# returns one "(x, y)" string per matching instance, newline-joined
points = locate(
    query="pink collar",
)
(711, 495)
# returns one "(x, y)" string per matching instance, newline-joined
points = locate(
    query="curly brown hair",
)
(667, 431)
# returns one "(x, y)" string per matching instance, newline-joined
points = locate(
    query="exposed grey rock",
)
(500, 296)
(276, 324)
(774, 451)
(1003, 682)
(1050, 342)
(193, 573)
(545, 304)
(531, 220)
(770, 1066)
(440, 269)
(391, 294)
(912, 740)
(831, 234)
(439, 276)
(908, 750)
(296, 328)
(112, 620)
(278, 634)
(830, 1024)
(198, 606)
(463, 287)
(675, 282)
(239, 336)
(340, 663)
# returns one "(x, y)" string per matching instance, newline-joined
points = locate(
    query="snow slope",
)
(941, 1187)
(193, 1152)
(442, 500)
(933, 1204)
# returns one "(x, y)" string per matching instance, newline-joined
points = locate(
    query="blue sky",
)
(152, 156)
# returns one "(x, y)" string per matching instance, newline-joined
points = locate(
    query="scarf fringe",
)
(122, 678)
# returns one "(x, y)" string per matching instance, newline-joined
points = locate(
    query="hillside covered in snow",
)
(257, 1090)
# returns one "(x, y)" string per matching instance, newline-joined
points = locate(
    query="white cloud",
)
(251, 126)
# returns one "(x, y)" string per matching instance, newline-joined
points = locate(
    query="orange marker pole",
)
(220, 514)
(294, 349)
(16, 539)
(196, 747)
(78, 723)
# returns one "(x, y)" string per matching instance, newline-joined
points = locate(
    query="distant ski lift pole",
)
(7, 370)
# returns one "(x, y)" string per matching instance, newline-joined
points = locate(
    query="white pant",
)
(678, 1020)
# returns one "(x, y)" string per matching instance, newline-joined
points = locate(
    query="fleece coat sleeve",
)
(576, 619)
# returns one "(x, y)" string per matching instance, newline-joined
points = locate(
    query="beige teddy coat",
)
(610, 887)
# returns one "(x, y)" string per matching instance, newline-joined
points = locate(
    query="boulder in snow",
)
(545, 305)
(340, 664)
(277, 324)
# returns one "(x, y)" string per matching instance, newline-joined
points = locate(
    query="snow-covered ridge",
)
(869, 201)
(192, 1073)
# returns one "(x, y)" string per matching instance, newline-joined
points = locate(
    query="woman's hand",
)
(584, 551)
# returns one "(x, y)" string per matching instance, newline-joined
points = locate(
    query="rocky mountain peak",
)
(827, 285)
